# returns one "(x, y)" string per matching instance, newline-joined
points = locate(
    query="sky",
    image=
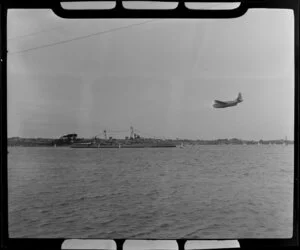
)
(160, 76)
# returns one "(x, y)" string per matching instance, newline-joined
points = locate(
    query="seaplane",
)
(226, 104)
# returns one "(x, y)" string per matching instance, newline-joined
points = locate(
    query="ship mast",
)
(131, 132)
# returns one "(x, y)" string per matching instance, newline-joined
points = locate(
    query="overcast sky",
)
(160, 76)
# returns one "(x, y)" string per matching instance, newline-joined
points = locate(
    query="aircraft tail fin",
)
(239, 98)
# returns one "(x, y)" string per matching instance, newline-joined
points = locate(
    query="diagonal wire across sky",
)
(81, 37)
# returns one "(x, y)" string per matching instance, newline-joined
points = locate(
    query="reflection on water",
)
(194, 192)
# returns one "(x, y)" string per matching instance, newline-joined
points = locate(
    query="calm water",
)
(194, 192)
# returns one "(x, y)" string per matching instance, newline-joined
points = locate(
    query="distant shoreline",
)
(48, 142)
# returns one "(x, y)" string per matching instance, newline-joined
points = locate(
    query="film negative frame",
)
(119, 12)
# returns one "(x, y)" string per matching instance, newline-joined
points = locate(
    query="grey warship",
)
(133, 141)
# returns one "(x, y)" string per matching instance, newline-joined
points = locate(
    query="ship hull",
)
(123, 146)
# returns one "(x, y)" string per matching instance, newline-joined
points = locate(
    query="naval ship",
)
(133, 141)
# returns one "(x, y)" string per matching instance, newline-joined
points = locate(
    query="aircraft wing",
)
(219, 102)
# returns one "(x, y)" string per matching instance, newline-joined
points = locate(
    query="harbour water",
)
(216, 191)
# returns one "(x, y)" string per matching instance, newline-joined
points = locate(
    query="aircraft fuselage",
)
(225, 105)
